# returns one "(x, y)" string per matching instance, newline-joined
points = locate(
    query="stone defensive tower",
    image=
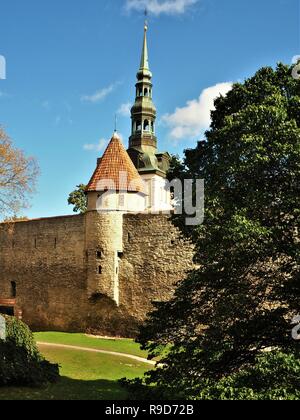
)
(114, 189)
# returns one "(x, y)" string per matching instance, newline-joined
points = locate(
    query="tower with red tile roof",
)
(114, 189)
(116, 184)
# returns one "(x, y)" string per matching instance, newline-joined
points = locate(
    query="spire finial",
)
(144, 59)
(146, 19)
(116, 135)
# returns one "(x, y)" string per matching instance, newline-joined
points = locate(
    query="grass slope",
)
(81, 340)
(85, 376)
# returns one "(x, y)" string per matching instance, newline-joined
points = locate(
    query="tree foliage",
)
(78, 199)
(18, 175)
(232, 317)
(20, 361)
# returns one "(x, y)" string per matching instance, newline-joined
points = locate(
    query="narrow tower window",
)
(138, 126)
(13, 286)
(100, 269)
(146, 125)
(146, 92)
(99, 255)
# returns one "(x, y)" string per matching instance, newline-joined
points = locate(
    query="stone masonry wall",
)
(46, 259)
(156, 257)
(55, 265)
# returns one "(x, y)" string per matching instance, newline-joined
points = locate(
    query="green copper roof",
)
(145, 57)
(144, 66)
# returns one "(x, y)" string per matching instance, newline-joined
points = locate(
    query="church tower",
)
(143, 112)
(151, 165)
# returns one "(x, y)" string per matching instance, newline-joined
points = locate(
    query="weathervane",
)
(116, 122)
(146, 19)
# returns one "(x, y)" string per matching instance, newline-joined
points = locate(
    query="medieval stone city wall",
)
(156, 257)
(94, 272)
(46, 260)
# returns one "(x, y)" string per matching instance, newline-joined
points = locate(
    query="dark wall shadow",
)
(68, 389)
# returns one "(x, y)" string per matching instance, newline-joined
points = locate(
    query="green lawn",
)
(85, 375)
(81, 340)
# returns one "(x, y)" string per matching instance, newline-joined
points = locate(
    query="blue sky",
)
(71, 65)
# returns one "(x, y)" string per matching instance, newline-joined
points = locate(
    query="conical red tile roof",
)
(116, 171)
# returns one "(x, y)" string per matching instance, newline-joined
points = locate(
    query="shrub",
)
(274, 376)
(20, 360)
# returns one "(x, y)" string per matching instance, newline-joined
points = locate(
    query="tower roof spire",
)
(144, 66)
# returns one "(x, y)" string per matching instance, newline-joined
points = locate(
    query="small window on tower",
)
(140, 92)
(99, 255)
(139, 126)
(100, 269)
(146, 92)
(13, 286)
(146, 125)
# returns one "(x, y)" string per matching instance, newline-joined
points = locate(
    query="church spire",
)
(143, 112)
(145, 58)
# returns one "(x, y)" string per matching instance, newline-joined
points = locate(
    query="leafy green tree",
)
(20, 360)
(78, 199)
(232, 317)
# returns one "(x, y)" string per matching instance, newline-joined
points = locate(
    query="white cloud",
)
(295, 59)
(101, 94)
(101, 145)
(57, 120)
(96, 147)
(46, 105)
(4, 95)
(191, 120)
(157, 7)
(2, 68)
(125, 109)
